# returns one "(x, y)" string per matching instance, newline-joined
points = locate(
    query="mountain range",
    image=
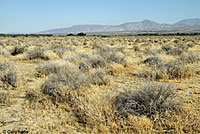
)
(187, 25)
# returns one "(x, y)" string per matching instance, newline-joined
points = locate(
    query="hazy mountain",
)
(188, 22)
(146, 25)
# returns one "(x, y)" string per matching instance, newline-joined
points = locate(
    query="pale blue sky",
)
(27, 16)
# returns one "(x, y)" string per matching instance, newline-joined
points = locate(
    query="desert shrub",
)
(68, 78)
(176, 51)
(61, 49)
(100, 77)
(112, 55)
(189, 58)
(184, 47)
(116, 57)
(52, 88)
(169, 71)
(49, 68)
(84, 67)
(191, 45)
(167, 48)
(4, 99)
(152, 60)
(36, 53)
(173, 50)
(149, 100)
(136, 48)
(17, 50)
(101, 50)
(138, 41)
(96, 62)
(71, 57)
(8, 75)
(10, 78)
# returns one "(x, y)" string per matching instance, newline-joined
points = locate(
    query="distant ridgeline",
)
(84, 34)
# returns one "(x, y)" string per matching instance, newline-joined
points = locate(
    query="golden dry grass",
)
(70, 84)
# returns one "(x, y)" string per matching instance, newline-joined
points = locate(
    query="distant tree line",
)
(168, 34)
(84, 34)
(79, 34)
(39, 35)
(25, 35)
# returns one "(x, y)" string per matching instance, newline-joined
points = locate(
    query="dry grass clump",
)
(7, 75)
(116, 69)
(4, 52)
(50, 55)
(150, 100)
(99, 77)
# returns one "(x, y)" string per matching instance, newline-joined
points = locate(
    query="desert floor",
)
(97, 84)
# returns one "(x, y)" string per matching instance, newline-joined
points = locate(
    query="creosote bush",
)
(149, 100)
